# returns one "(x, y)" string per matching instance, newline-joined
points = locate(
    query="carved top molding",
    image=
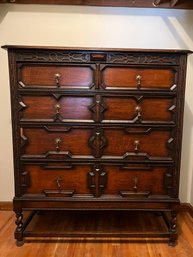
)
(84, 55)
(143, 58)
(52, 56)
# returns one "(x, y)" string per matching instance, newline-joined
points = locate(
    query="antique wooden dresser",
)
(97, 129)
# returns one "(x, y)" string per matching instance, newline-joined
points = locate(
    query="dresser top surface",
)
(60, 48)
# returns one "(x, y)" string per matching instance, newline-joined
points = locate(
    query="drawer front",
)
(68, 76)
(124, 78)
(55, 142)
(129, 109)
(138, 182)
(73, 180)
(68, 142)
(98, 108)
(67, 108)
(139, 141)
(55, 180)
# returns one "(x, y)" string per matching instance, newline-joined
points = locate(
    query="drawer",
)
(135, 181)
(55, 142)
(124, 109)
(145, 109)
(55, 76)
(75, 180)
(68, 142)
(55, 180)
(139, 143)
(50, 109)
(136, 78)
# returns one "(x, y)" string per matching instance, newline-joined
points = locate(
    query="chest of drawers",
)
(96, 129)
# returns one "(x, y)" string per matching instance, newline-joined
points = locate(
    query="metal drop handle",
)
(57, 106)
(138, 80)
(57, 77)
(57, 142)
(136, 144)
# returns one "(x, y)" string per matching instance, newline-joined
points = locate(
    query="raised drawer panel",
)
(55, 180)
(58, 141)
(153, 143)
(124, 78)
(141, 182)
(68, 76)
(144, 109)
(48, 108)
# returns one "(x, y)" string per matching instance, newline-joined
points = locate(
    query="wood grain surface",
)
(94, 247)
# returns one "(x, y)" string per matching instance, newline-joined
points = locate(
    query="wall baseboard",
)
(6, 206)
(187, 207)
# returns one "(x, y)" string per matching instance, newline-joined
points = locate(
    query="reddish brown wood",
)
(39, 141)
(45, 108)
(49, 177)
(46, 76)
(151, 109)
(81, 145)
(126, 78)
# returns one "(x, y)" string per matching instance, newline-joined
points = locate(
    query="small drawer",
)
(131, 78)
(55, 76)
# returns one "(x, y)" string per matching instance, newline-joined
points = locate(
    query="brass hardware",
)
(138, 80)
(58, 183)
(138, 109)
(57, 77)
(57, 106)
(135, 181)
(57, 142)
(156, 2)
(136, 144)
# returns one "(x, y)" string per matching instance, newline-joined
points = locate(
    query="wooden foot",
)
(172, 242)
(19, 243)
(19, 228)
(173, 230)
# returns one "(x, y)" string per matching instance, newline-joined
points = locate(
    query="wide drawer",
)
(136, 78)
(65, 180)
(68, 142)
(55, 76)
(98, 108)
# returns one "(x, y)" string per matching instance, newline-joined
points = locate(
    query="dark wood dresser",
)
(97, 129)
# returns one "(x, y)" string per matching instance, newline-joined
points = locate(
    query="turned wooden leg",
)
(173, 229)
(19, 228)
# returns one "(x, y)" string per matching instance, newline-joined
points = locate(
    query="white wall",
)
(93, 27)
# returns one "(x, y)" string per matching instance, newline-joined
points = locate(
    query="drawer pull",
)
(136, 144)
(138, 80)
(135, 181)
(57, 142)
(138, 110)
(57, 78)
(58, 183)
(57, 106)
